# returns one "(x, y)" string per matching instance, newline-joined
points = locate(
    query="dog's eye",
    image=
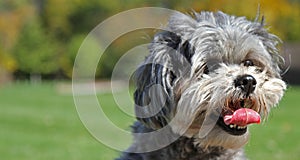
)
(248, 63)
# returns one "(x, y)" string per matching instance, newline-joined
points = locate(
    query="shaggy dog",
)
(208, 76)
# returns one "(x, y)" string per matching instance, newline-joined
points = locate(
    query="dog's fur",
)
(195, 63)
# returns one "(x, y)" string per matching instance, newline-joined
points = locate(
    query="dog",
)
(208, 76)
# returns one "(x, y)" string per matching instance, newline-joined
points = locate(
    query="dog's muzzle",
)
(247, 83)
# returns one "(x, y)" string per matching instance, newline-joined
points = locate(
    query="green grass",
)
(278, 138)
(38, 122)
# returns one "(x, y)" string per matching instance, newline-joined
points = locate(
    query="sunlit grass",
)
(278, 138)
(39, 123)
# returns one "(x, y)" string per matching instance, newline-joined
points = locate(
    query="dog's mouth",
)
(237, 115)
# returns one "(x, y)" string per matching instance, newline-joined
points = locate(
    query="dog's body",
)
(202, 72)
(183, 148)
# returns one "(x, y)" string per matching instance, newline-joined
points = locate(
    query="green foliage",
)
(57, 25)
(88, 58)
(68, 59)
(35, 52)
(282, 15)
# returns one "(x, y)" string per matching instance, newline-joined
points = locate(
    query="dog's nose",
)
(247, 83)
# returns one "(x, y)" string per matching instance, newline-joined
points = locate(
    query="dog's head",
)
(206, 67)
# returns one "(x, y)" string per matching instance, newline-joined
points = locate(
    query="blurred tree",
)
(44, 35)
(282, 15)
(88, 57)
(68, 59)
(71, 24)
(54, 16)
(12, 17)
(35, 52)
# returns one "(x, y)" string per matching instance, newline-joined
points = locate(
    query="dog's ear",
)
(183, 24)
(155, 79)
(151, 97)
(171, 44)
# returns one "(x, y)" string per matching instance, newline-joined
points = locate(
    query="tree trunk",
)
(35, 78)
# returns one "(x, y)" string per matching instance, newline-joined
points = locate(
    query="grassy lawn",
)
(38, 122)
(278, 137)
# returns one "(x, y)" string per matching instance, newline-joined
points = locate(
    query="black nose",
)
(246, 82)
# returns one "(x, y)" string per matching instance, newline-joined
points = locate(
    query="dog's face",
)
(209, 67)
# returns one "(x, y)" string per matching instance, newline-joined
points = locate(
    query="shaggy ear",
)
(171, 44)
(156, 77)
(152, 102)
(182, 24)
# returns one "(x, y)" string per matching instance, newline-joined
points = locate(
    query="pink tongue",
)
(242, 117)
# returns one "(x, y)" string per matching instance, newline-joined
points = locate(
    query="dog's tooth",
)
(234, 126)
(231, 126)
(241, 127)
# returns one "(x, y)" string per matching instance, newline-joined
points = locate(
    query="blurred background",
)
(39, 40)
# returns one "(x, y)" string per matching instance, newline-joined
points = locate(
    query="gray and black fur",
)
(196, 62)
